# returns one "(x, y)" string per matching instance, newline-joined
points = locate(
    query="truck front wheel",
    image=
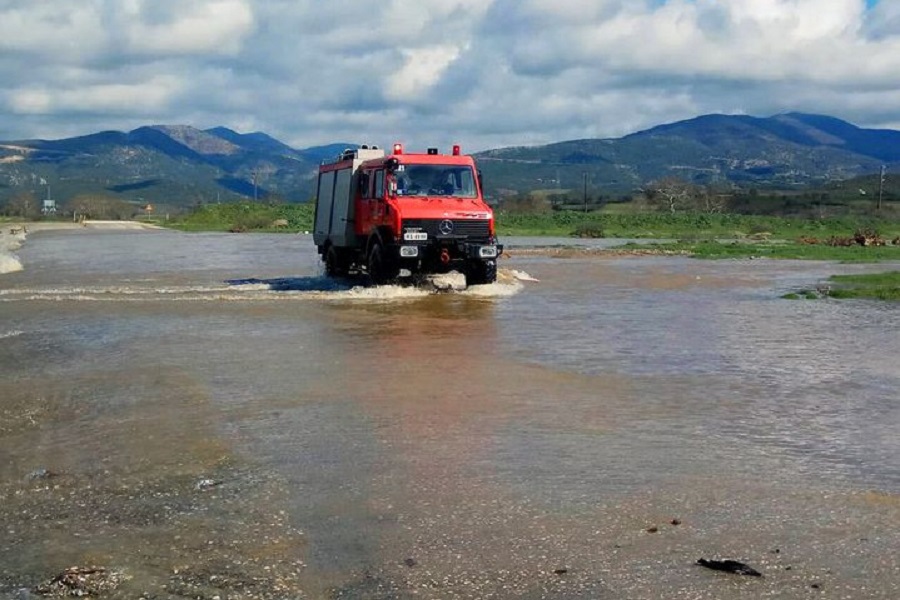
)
(481, 272)
(381, 268)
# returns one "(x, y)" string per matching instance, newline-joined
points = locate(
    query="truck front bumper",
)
(466, 250)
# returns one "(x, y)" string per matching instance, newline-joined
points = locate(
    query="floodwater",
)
(207, 416)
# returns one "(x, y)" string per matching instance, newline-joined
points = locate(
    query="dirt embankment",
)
(576, 251)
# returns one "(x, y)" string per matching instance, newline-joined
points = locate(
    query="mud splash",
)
(253, 289)
(9, 242)
(9, 262)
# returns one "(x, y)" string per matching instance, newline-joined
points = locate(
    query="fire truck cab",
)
(403, 214)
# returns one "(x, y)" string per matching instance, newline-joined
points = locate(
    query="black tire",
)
(481, 272)
(380, 267)
(335, 263)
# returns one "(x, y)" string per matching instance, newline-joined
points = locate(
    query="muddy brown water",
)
(205, 415)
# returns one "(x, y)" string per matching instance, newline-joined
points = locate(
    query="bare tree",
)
(671, 193)
(711, 200)
(93, 206)
(721, 196)
(23, 204)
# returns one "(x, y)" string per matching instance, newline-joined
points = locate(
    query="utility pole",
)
(255, 179)
(880, 189)
(584, 177)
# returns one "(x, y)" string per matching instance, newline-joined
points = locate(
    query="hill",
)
(170, 165)
(176, 166)
(788, 151)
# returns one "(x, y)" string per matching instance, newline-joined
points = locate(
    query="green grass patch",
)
(880, 286)
(247, 216)
(711, 249)
(875, 286)
(686, 225)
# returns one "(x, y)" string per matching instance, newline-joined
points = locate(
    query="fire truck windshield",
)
(435, 180)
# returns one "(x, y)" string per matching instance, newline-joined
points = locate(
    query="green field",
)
(247, 216)
(701, 235)
(686, 226)
(783, 249)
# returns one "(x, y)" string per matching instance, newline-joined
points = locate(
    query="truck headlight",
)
(487, 252)
(409, 251)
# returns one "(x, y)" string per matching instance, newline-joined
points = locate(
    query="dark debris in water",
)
(206, 484)
(41, 474)
(729, 566)
(80, 582)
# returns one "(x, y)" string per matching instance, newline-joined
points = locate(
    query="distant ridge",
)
(180, 165)
(164, 164)
(786, 150)
(253, 142)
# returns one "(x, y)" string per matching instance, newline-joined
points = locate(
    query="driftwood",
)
(729, 566)
(862, 237)
(868, 237)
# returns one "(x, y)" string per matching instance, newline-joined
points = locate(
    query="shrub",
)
(588, 230)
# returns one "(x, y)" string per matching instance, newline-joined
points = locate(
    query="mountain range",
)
(182, 166)
(163, 164)
(785, 151)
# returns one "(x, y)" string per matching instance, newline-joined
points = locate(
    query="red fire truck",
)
(403, 214)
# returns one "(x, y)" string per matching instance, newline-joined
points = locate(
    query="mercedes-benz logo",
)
(446, 227)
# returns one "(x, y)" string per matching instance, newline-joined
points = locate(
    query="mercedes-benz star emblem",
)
(446, 227)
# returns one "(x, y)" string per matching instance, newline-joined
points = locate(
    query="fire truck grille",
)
(467, 228)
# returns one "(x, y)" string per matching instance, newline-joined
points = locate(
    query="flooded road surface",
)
(206, 416)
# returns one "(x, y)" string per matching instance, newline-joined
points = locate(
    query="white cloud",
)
(193, 27)
(117, 98)
(422, 68)
(60, 31)
(30, 101)
(482, 72)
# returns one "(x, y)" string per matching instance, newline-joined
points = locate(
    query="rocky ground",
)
(149, 520)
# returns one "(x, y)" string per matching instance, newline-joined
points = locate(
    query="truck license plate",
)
(415, 236)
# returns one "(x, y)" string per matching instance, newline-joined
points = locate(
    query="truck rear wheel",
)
(381, 269)
(336, 264)
(481, 272)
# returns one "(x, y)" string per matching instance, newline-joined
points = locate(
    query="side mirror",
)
(480, 182)
(392, 188)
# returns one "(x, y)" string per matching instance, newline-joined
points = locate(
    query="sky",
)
(481, 73)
